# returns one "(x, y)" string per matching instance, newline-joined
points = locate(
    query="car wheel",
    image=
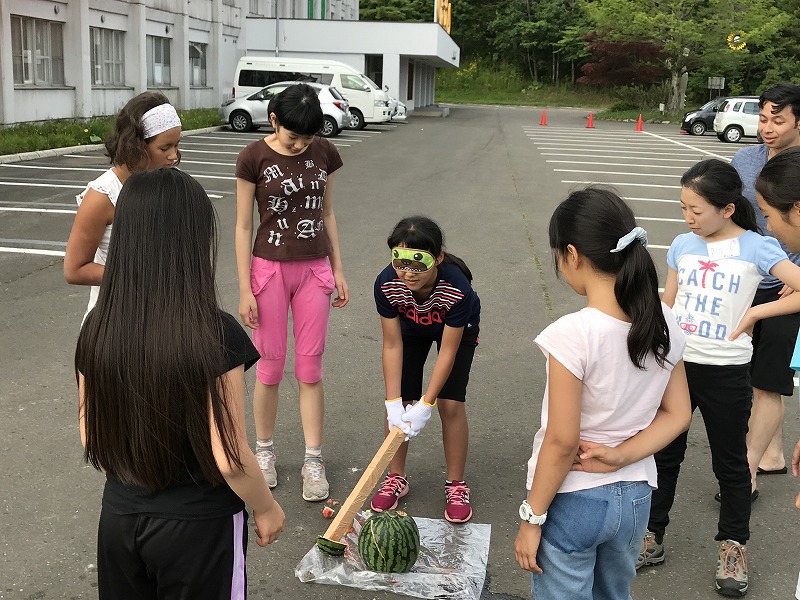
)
(356, 119)
(241, 121)
(329, 127)
(720, 137)
(733, 134)
(698, 128)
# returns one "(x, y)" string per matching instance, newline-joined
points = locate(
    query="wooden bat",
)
(330, 543)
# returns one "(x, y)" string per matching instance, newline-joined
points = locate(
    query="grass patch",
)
(30, 137)
(648, 116)
(481, 83)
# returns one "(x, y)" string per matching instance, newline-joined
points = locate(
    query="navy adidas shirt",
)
(452, 302)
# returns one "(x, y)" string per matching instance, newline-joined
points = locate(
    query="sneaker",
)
(732, 578)
(393, 488)
(652, 552)
(266, 460)
(315, 485)
(458, 509)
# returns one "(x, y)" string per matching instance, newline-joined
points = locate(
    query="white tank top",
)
(109, 184)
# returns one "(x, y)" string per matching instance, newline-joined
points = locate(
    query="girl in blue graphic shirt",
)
(713, 275)
(425, 296)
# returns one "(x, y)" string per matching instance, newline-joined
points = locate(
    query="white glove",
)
(394, 415)
(417, 416)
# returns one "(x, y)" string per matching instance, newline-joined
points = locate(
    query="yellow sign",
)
(736, 41)
(443, 13)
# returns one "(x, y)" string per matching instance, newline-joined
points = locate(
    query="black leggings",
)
(724, 397)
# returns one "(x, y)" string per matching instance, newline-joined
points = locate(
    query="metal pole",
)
(277, 28)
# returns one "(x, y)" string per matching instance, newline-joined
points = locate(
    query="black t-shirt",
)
(193, 497)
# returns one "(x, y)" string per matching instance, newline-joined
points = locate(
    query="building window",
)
(108, 56)
(37, 49)
(197, 64)
(158, 72)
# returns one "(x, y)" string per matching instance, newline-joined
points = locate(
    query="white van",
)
(368, 103)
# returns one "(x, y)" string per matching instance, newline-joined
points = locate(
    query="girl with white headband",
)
(146, 135)
(616, 393)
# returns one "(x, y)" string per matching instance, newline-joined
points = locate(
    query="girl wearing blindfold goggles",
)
(425, 296)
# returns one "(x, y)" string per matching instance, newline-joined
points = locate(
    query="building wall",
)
(223, 31)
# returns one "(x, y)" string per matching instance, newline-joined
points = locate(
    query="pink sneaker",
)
(458, 509)
(393, 488)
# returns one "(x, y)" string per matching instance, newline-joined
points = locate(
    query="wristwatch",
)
(526, 514)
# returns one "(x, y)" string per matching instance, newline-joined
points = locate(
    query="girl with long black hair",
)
(160, 370)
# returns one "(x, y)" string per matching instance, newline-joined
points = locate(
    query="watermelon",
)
(330, 548)
(389, 542)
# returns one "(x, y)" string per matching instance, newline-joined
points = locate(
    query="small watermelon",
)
(330, 548)
(389, 542)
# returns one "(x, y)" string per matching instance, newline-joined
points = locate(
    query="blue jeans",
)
(590, 543)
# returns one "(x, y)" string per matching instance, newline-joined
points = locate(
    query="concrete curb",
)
(11, 158)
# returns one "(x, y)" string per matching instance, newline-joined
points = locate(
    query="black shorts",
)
(415, 353)
(773, 345)
(143, 558)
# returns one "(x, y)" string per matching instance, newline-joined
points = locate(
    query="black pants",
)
(724, 397)
(147, 558)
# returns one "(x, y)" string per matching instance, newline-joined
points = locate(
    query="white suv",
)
(736, 118)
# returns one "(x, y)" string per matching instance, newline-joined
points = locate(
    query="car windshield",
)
(371, 83)
(711, 104)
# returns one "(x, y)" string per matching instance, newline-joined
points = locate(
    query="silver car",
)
(250, 112)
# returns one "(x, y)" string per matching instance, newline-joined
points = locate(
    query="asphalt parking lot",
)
(491, 176)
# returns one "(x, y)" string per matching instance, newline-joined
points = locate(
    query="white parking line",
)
(615, 173)
(42, 167)
(58, 211)
(645, 152)
(579, 162)
(661, 137)
(50, 185)
(662, 219)
(32, 251)
(686, 160)
(654, 185)
(653, 200)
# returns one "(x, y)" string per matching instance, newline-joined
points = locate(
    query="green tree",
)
(417, 11)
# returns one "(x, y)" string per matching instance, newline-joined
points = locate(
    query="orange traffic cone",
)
(544, 118)
(590, 124)
(639, 123)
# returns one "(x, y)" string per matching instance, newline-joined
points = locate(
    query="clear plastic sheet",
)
(451, 563)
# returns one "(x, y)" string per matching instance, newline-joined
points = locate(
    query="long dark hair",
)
(593, 220)
(126, 145)
(719, 184)
(424, 233)
(151, 350)
(297, 108)
(779, 181)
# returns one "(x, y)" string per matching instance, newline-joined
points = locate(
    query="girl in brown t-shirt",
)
(295, 263)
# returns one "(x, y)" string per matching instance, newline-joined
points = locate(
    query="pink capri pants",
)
(306, 286)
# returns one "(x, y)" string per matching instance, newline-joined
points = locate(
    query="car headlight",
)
(690, 115)
(381, 103)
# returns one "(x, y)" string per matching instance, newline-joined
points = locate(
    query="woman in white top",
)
(146, 135)
(616, 392)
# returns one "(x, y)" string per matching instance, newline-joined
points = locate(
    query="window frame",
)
(202, 49)
(163, 46)
(107, 71)
(37, 52)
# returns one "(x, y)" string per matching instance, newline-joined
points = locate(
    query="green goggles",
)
(413, 260)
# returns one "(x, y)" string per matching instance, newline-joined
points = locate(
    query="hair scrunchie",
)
(637, 233)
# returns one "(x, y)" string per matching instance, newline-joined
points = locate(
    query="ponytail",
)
(454, 260)
(593, 221)
(719, 184)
